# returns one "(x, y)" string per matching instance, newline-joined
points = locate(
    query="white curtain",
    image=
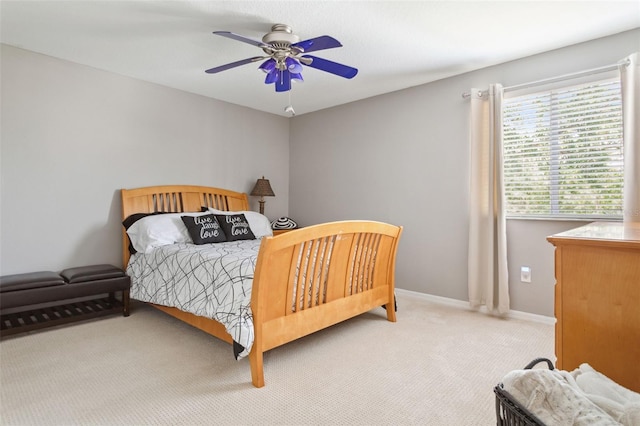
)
(488, 276)
(630, 81)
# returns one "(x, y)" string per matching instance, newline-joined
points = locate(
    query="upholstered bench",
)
(42, 299)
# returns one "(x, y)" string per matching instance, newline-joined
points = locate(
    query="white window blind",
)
(563, 155)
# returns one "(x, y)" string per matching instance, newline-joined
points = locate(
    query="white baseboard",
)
(462, 304)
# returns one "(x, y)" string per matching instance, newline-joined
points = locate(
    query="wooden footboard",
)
(309, 279)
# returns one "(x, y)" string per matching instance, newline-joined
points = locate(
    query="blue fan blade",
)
(232, 65)
(283, 83)
(332, 67)
(318, 43)
(238, 37)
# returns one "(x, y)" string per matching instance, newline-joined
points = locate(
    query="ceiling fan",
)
(285, 55)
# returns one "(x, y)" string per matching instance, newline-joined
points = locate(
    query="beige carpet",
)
(436, 366)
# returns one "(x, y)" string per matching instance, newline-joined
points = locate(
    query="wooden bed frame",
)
(351, 262)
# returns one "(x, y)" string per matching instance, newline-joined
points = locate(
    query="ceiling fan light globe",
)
(267, 66)
(293, 65)
(272, 76)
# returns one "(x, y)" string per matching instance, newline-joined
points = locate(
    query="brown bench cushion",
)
(91, 273)
(19, 282)
(35, 288)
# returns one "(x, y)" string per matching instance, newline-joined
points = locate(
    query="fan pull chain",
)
(289, 108)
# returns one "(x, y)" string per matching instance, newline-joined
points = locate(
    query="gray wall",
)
(403, 158)
(72, 136)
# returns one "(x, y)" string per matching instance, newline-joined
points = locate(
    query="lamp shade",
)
(263, 188)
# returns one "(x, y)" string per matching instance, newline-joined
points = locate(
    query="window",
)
(562, 151)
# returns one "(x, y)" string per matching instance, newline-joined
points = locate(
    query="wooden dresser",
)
(597, 300)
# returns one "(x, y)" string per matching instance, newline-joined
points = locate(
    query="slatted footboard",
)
(309, 279)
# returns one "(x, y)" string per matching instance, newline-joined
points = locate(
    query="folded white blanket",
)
(581, 397)
(554, 397)
(619, 402)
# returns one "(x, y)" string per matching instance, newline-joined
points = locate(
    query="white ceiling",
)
(394, 44)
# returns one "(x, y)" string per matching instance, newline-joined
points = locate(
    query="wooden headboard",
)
(176, 199)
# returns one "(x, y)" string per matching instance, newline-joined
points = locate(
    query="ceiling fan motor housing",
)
(280, 34)
(280, 40)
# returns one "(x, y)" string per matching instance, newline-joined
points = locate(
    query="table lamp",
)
(262, 189)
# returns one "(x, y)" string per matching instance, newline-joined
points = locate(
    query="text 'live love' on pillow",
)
(259, 224)
(204, 229)
(235, 227)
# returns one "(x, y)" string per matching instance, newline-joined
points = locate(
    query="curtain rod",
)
(584, 73)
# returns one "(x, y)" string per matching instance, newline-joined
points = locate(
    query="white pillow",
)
(159, 230)
(259, 223)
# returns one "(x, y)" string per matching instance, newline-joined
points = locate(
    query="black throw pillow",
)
(235, 227)
(204, 229)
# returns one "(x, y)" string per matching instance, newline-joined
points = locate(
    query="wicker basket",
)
(510, 412)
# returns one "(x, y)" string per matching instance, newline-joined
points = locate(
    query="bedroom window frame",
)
(571, 139)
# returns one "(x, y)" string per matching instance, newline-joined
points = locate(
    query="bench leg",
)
(125, 303)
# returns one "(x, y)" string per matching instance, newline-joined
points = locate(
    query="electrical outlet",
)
(525, 274)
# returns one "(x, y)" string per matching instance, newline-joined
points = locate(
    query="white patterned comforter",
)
(211, 280)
